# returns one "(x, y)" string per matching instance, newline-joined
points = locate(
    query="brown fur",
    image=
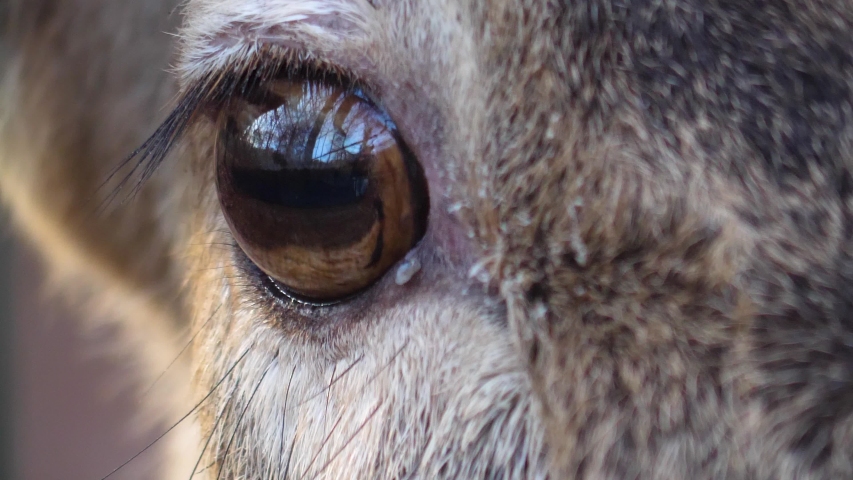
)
(645, 205)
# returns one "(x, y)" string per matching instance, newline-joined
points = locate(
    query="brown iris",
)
(319, 190)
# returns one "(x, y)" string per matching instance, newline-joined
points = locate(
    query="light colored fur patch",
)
(220, 32)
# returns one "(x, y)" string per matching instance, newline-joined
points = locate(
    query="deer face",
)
(450, 239)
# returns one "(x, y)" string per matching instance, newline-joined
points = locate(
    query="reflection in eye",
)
(342, 129)
(318, 188)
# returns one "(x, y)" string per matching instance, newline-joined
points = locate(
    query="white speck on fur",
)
(479, 272)
(552, 125)
(540, 311)
(576, 242)
(408, 269)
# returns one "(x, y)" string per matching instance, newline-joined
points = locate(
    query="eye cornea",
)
(319, 190)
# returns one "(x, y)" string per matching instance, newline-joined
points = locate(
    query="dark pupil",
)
(305, 154)
(302, 188)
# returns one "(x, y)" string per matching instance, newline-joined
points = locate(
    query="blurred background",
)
(67, 408)
(7, 353)
(64, 415)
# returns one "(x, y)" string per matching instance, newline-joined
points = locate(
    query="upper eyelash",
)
(144, 161)
(212, 92)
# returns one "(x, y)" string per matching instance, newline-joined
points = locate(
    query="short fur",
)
(639, 255)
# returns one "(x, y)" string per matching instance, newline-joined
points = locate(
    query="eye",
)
(318, 188)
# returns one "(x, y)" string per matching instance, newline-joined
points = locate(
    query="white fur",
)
(420, 385)
(219, 32)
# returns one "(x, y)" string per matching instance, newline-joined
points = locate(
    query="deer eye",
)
(318, 188)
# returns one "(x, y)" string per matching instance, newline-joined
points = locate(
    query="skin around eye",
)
(318, 188)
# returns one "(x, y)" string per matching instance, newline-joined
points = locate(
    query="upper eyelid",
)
(217, 34)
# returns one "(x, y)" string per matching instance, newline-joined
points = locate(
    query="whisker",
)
(284, 417)
(349, 368)
(369, 380)
(290, 455)
(242, 414)
(322, 445)
(224, 411)
(349, 440)
(203, 326)
(175, 425)
(392, 359)
(385, 366)
(331, 383)
(329, 394)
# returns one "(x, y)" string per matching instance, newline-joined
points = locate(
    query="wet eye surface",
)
(319, 190)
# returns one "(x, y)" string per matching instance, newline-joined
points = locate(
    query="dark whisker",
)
(349, 368)
(349, 440)
(323, 445)
(192, 339)
(284, 417)
(371, 379)
(290, 457)
(223, 413)
(242, 414)
(331, 383)
(175, 425)
(386, 365)
(329, 394)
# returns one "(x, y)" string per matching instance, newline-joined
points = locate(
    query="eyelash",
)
(212, 94)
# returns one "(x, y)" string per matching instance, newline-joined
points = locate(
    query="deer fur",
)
(638, 262)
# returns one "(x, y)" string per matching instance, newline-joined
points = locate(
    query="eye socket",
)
(319, 190)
